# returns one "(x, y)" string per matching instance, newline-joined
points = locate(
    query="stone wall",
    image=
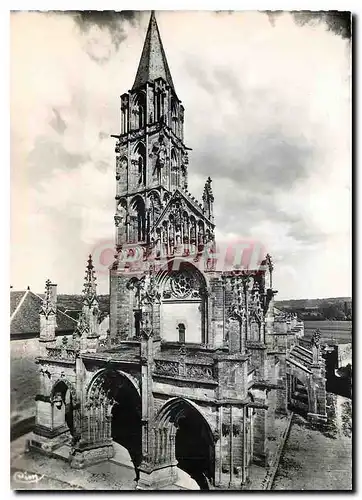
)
(24, 378)
(185, 312)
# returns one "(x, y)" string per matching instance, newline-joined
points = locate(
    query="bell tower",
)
(151, 158)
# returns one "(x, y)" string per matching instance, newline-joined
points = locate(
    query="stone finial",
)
(89, 288)
(48, 306)
(208, 194)
(48, 313)
(316, 337)
(269, 262)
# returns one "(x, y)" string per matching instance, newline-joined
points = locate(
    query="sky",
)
(267, 102)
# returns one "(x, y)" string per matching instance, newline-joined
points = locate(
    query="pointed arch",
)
(170, 411)
(155, 207)
(174, 115)
(255, 327)
(117, 373)
(140, 152)
(174, 168)
(139, 102)
(137, 220)
(183, 435)
(177, 265)
(113, 411)
(70, 386)
(71, 408)
(235, 332)
(184, 300)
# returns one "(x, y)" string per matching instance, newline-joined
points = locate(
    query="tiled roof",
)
(25, 306)
(25, 319)
(15, 298)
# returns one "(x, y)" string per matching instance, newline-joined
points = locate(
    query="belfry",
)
(198, 364)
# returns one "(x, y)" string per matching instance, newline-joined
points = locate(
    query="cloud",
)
(335, 21)
(267, 113)
(98, 24)
(338, 22)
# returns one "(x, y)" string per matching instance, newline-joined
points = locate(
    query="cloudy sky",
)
(267, 100)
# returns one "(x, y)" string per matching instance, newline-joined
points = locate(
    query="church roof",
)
(153, 63)
(25, 307)
(24, 318)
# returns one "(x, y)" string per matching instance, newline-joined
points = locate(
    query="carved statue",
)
(160, 150)
(120, 217)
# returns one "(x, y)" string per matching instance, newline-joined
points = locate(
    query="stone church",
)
(197, 364)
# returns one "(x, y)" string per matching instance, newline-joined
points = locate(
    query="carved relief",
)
(199, 372)
(121, 166)
(166, 367)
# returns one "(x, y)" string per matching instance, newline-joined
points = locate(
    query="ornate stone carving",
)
(225, 429)
(121, 167)
(208, 194)
(199, 372)
(169, 368)
(236, 430)
(61, 354)
(184, 284)
(316, 338)
(48, 306)
(216, 436)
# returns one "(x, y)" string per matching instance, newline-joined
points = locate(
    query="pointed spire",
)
(153, 63)
(89, 289)
(208, 194)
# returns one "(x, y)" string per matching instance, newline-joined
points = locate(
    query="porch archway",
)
(114, 412)
(183, 436)
(63, 394)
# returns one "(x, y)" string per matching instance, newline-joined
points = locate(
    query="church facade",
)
(197, 364)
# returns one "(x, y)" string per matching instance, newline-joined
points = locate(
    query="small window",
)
(181, 333)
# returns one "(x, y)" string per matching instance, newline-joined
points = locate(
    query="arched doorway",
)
(63, 400)
(190, 441)
(122, 412)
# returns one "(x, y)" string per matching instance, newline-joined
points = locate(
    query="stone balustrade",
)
(185, 369)
(61, 354)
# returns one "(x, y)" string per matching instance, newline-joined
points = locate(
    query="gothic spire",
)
(153, 63)
(89, 288)
(208, 194)
(49, 305)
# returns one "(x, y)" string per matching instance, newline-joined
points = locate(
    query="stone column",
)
(282, 397)
(317, 395)
(95, 444)
(260, 436)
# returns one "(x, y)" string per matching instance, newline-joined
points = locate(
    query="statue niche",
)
(120, 220)
(159, 150)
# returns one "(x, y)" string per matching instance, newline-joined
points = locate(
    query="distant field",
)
(339, 332)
